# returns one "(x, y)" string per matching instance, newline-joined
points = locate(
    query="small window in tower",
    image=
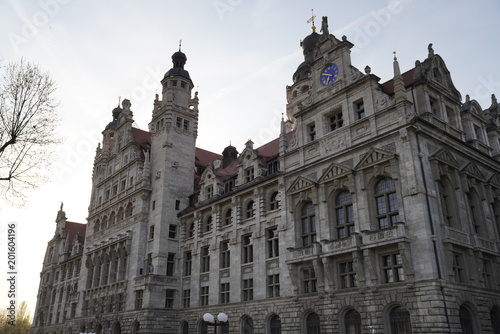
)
(178, 122)
(177, 204)
(174, 83)
(359, 108)
(336, 121)
(183, 84)
(185, 124)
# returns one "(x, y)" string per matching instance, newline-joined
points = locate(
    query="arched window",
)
(112, 218)
(344, 215)
(129, 210)
(399, 319)
(207, 224)
(466, 321)
(136, 327)
(228, 216)
(185, 328)
(97, 225)
(275, 325)
(248, 326)
(352, 321)
(250, 209)
(386, 203)
(274, 201)
(121, 214)
(308, 224)
(446, 201)
(104, 223)
(495, 320)
(312, 324)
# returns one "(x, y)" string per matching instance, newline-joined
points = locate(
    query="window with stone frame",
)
(138, 299)
(344, 215)
(169, 298)
(392, 267)
(311, 131)
(186, 298)
(170, 264)
(275, 325)
(249, 174)
(486, 273)
(308, 224)
(207, 224)
(224, 293)
(247, 249)
(308, 280)
(247, 289)
(190, 229)
(273, 285)
(228, 217)
(359, 109)
(336, 120)
(204, 295)
(475, 212)
(273, 167)
(229, 185)
(188, 263)
(225, 255)
(434, 106)
(272, 241)
(209, 191)
(386, 202)
(172, 231)
(446, 201)
(347, 274)
(250, 209)
(205, 259)
(466, 320)
(458, 267)
(274, 201)
(313, 324)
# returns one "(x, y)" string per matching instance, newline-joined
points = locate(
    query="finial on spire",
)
(313, 27)
(180, 44)
(397, 71)
(119, 100)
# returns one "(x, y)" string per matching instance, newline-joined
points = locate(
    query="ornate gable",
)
(334, 171)
(300, 184)
(444, 156)
(374, 157)
(495, 180)
(472, 170)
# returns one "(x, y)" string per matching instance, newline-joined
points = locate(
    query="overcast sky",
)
(241, 55)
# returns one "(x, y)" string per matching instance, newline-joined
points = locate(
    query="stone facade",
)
(376, 210)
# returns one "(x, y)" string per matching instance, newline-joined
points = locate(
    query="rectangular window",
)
(392, 266)
(311, 128)
(123, 185)
(185, 124)
(273, 167)
(169, 298)
(151, 232)
(225, 257)
(347, 275)
(170, 264)
(273, 285)
(309, 280)
(188, 261)
(336, 121)
(209, 191)
(153, 205)
(247, 249)
(249, 174)
(229, 185)
(224, 293)
(177, 204)
(172, 231)
(204, 293)
(178, 122)
(359, 108)
(205, 259)
(273, 249)
(186, 298)
(247, 289)
(138, 299)
(486, 272)
(458, 267)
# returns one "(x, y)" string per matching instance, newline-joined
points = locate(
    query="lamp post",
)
(210, 320)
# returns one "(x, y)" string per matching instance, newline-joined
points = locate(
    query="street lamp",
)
(210, 320)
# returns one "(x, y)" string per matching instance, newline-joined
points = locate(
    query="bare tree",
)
(15, 323)
(28, 123)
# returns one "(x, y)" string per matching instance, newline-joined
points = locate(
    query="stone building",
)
(376, 210)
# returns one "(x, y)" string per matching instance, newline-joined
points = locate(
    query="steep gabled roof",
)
(408, 80)
(142, 138)
(74, 229)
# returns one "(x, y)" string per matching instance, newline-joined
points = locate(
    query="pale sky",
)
(241, 55)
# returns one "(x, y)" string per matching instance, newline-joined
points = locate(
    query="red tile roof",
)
(72, 229)
(388, 86)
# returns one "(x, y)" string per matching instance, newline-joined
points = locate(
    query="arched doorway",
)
(117, 329)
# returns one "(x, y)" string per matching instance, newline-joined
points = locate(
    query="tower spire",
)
(311, 20)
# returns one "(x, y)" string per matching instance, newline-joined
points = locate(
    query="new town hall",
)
(375, 210)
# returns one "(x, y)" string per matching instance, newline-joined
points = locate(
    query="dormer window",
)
(249, 174)
(273, 166)
(228, 185)
(209, 191)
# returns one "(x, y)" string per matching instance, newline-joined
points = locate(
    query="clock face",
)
(329, 74)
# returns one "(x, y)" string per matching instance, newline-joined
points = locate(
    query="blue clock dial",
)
(329, 74)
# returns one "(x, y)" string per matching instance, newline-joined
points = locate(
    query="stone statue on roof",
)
(324, 26)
